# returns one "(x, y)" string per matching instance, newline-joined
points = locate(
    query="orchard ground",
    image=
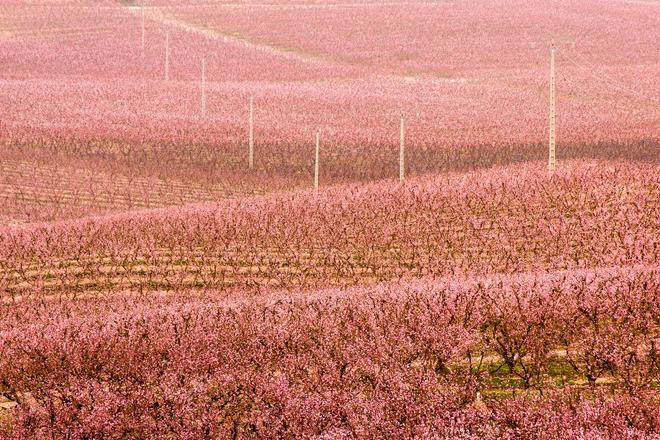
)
(152, 285)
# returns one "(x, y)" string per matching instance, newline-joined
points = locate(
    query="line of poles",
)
(317, 153)
(552, 161)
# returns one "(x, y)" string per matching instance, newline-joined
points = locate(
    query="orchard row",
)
(555, 355)
(505, 220)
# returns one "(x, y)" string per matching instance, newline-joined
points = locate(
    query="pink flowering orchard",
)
(169, 268)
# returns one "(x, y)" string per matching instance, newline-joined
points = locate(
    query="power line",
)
(612, 81)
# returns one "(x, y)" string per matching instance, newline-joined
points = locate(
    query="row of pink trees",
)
(395, 360)
(504, 220)
(101, 103)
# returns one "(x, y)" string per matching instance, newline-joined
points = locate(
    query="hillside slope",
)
(503, 220)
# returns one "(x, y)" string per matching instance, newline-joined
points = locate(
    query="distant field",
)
(73, 76)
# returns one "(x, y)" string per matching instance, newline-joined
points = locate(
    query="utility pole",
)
(167, 56)
(316, 161)
(552, 159)
(142, 20)
(203, 86)
(251, 134)
(402, 146)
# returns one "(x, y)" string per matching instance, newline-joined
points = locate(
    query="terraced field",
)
(512, 219)
(533, 348)
(30, 192)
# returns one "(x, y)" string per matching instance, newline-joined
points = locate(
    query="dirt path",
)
(157, 14)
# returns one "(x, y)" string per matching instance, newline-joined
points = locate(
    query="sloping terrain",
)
(503, 220)
(31, 192)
